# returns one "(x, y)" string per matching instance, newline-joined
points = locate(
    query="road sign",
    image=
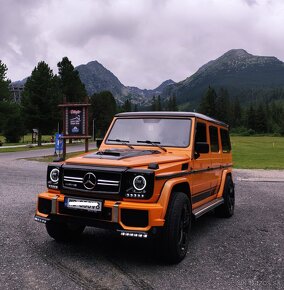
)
(58, 142)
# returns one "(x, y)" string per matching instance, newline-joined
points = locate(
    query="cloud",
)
(143, 42)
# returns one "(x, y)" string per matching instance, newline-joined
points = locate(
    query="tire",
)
(226, 209)
(62, 232)
(175, 234)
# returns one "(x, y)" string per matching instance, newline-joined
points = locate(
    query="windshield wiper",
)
(124, 142)
(153, 143)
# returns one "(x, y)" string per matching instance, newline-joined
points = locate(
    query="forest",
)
(44, 90)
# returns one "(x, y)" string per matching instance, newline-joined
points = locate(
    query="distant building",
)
(16, 91)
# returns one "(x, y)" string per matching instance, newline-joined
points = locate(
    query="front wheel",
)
(63, 232)
(175, 234)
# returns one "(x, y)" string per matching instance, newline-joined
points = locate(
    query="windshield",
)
(165, 132)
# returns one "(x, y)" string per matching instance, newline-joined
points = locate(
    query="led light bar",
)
(41, 220)
(135, 195)
(133, 234)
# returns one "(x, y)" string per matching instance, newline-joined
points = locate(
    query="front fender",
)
(167, 191)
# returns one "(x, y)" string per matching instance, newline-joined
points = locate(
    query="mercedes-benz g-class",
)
(153, 173)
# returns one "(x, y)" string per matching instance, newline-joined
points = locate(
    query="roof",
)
(170, 114)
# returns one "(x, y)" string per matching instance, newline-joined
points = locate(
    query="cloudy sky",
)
(143, 42)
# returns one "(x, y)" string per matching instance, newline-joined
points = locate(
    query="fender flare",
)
(225, 173)
(167, 191)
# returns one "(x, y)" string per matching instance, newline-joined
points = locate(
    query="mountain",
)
(241, 73)
(244, 75)
(97, 78)
(144, 97)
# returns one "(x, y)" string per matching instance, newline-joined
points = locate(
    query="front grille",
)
(105, 214)
(93, 180)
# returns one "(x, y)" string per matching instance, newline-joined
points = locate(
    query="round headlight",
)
(54, 175)
(139, 182)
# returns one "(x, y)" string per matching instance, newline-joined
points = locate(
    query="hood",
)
(127, 158)
(118, 154)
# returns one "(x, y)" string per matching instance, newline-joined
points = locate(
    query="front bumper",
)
(130, 218)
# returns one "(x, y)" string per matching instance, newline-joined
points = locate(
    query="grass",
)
(27, 139)
(258, 152)
(249, 152)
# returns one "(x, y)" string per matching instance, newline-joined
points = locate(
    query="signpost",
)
(75, 124)
(58, 143)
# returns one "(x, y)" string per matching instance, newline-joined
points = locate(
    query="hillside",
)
(243, 74)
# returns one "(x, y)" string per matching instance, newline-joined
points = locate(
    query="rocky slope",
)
(241, 73)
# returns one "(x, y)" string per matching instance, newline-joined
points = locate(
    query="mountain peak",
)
(237, 53)
(164, 84)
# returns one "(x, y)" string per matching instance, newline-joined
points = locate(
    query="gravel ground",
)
(243, 252)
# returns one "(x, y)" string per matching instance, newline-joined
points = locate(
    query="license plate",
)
(83, 204)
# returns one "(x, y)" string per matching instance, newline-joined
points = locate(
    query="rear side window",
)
(225, 139)
(214, 143)
(200, 135)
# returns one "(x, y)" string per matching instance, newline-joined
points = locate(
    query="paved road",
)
(244, 252)
(40, 152)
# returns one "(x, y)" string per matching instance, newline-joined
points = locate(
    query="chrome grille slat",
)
(107, 184)
(72, 177)
(106, 181)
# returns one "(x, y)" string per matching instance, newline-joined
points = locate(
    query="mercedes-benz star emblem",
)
(89, 181)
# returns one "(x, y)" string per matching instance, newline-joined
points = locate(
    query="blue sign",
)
(58, 142)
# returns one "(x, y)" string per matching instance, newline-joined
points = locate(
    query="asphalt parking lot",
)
(243, 252)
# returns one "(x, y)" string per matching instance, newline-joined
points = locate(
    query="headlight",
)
(139, 182)
(54, 175)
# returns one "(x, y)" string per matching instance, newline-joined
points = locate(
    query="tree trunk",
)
(39, 138)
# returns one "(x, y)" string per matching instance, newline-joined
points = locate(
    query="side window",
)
(225, 139)
(214, 144)
(200, 135)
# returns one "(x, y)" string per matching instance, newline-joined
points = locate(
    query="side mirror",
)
(201, 147)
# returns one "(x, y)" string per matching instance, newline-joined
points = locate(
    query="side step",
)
(198, 212)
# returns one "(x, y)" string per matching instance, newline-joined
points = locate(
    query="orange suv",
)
(153, 173)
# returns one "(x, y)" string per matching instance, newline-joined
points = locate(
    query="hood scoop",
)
(117, 154)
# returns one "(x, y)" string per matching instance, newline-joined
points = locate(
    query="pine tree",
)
(172, 104)
(222, 106)
(260, 119)
(4, 83)
(103, 107)
(72, 87)
(154, 104)
(208, 103)
(40, 100)
(251, 118)
(236, 117)
(13, 127)
(4, 94)
(159, 104)
(127, 106)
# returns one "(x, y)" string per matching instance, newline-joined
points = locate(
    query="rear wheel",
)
(63, 232)
(175, 234)
(227, 208)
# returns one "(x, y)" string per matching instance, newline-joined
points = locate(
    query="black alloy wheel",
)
(174, 240)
